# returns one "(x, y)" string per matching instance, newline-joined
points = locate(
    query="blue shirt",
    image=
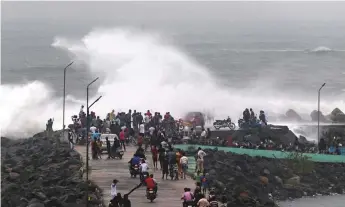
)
(135, 160)
(95, 136)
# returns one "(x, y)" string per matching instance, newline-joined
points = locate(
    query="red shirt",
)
(150, 183)
(122, 135)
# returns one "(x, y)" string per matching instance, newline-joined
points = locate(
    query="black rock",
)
(35, 173)
(261, 178)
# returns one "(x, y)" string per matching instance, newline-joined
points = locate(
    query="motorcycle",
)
(150, 194)
(188, 204)
(134, 171)
(173, 172)
(223, 124)
(119, 153)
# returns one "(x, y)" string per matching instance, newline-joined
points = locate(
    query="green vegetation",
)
(300, 163)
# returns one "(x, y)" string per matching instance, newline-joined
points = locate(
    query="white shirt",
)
(142, 128)
(93, 129)
(203, 133)
(147, 119)
(144, 167)
(151, 129)
(123, 128)
(184, 160)
(201, 154)
(113, 191)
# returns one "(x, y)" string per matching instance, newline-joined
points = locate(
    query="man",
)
(203, 134)
(93, 128)
(151, 183)
(113, 191)
(143, 169)
(184, 164)
(200, 160)
(108, 148)
(203, 202)
(151, 130)
(142, 130)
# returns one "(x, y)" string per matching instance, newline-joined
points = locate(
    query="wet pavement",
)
(104, 171)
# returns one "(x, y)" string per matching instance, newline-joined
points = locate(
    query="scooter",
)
(134, 171)
(150, 194)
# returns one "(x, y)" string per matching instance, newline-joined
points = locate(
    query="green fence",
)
(268, 153)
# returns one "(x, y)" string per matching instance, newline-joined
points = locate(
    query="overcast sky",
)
(230, 11)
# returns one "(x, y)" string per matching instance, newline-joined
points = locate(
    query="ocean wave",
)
(320, 49)
(140, 71)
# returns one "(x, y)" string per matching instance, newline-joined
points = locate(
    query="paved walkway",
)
(104, 171)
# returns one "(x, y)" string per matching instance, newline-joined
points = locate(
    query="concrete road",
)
(104, 171)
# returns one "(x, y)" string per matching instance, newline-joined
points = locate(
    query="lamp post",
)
(318, 113)
(64, 98)
(87, 138)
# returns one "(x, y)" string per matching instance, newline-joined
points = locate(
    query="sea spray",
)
(140, 70)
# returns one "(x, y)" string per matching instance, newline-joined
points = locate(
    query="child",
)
(113, 191)
(204, 183)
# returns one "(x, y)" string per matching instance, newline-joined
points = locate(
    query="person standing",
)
(184, 164)
(154, 157)
(113, 191)
(122, 139)
(200, 160)
(108, 148)
(142, 130)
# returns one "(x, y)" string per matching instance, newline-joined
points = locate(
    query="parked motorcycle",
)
(224, 123)
(150, 194)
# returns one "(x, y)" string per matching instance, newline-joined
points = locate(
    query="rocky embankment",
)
(258, 181)
(34, 173)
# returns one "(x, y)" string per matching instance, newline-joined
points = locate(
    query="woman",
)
(154, 152)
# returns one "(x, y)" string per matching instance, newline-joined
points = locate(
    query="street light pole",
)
(318, 113)
(87, 140)
(64, 98)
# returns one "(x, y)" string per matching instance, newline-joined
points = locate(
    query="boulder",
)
(260, 176)
(36, 174)
(296, 180)
(292, 115)
(314, 116)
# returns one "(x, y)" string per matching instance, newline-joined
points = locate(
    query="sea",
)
(215, 57)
